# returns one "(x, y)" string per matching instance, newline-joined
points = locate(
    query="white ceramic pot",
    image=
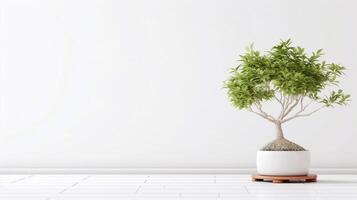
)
(283, 163)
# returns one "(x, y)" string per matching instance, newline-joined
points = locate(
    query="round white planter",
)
(283, 163)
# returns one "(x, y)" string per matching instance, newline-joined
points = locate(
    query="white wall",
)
(93, 83)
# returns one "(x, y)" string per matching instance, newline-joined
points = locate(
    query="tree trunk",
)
(279, 130)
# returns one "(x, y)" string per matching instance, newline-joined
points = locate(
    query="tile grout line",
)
(215, 181)
(246, 189)
(67, 188)
(86, 178)
(73, 185)
(21, 179)
(137, 190)
(139, 187)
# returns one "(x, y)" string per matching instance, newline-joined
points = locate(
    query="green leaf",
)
(285, 69)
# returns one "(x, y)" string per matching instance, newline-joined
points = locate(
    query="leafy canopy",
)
(283, 73)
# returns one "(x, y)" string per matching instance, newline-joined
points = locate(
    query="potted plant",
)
(296, 82)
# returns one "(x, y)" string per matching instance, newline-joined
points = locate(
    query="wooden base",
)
(285, 179)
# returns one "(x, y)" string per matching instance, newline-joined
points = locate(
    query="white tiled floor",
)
(103, 187)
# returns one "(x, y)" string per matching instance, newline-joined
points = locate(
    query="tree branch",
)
(286, 103)
(279, 101)
(259, 106)
(302, 102)
(262, 114)
(288, 110)
(302, 107)
(303, 115)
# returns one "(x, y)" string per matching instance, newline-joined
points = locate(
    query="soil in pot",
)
(282, 144)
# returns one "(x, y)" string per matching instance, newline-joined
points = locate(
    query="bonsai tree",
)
(296, 81)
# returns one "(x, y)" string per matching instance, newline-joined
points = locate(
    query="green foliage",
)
(287, 70)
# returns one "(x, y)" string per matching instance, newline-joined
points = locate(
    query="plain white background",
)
(93, 83)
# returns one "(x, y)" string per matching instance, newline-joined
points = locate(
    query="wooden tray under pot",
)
(285, 179)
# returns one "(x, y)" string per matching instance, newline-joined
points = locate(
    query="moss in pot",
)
(300, 84)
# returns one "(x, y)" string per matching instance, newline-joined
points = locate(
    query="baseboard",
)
(158, 170)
